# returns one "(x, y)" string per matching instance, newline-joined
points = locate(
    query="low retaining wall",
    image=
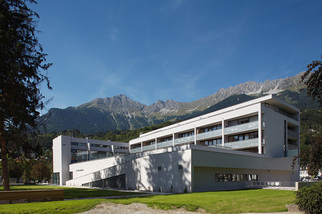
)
(8, 197)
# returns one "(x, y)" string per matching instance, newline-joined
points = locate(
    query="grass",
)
(76, 206)
(242, 201)
(70, 192)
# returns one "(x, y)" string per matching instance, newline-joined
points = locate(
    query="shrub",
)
(310, 199)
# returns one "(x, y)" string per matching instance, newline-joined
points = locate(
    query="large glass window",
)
(99, 154)
(241, 137)
(55, 178)
(77, 144)
(79, 155)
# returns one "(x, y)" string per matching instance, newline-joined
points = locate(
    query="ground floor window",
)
(235, 177)
(55, 178)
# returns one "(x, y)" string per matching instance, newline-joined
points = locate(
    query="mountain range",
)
(122, 113)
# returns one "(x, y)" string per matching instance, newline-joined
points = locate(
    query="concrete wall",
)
(274, 131)
(153, 171)
(207, 163)
(62, 157)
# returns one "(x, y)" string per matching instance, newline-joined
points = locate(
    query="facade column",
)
(156, 142)
(88, 149)
(141, 146)
(223, 132)
(260, 129)
(173, 139)
(195, 135)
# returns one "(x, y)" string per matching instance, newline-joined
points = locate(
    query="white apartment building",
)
(68, 150)
(245, 145)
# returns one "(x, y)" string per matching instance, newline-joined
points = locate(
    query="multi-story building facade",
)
(249, 144)
(69, 150)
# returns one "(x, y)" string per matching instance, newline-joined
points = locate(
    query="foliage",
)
(241, 201)
(311, 155)
(310, 199)
(15, 168)
(40, 171)
(313, 79)
(22, 63)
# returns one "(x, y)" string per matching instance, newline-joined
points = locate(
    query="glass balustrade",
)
(164, 144)
(182, 140)
(292, 134)
(243, 144)
(241, 127)
(292, 153)
(211, 134)
(136, 150)
(149, 147)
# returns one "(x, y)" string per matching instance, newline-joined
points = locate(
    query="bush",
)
(310, 199)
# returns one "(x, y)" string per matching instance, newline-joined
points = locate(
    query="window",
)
(242, 121)
(79, 155)
(235, 177)
(241, 137)
(77, 144)
(55, 178)
(70, 175)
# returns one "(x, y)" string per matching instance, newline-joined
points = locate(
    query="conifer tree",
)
(22, 70)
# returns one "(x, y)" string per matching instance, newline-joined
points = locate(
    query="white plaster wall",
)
(204, 178)
(62, 157)
(274, 131)
(141, 170)
(206, 164)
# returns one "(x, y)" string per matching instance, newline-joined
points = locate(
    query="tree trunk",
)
(5, 174)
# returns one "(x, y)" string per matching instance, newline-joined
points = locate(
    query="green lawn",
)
(241, 201)
(70, 192)
(76, 206)
(213, 202)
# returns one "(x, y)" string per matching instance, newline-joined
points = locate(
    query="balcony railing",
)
(241, 127)
(182, 140)
(243, 144)
(165, 144)
(149, 147)
(211, 134)
(292, 153)
(136, 150)
(292, 134)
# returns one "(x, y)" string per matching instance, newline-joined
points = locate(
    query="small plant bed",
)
(70, 192)
(242, 201)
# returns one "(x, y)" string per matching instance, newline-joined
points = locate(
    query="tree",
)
(23, 69)
(313, 79)
(40, 171)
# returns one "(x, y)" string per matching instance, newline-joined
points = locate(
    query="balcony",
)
(149, 147)
(292, 134)
(182, 140)
(292, 153)
(165, 144)
(242, 127)
(243, 144)
(211, 134)
(136, 150)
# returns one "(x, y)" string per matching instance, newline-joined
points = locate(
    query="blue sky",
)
(172, 49)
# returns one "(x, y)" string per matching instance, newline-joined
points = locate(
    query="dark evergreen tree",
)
(22, 70)
(313, 79)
